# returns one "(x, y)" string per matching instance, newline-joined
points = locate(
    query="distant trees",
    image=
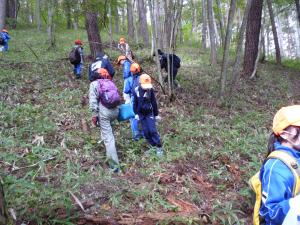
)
(213, 50)
(2, 13)
(92, 30)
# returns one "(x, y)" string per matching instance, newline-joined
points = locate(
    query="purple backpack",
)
(108, 93)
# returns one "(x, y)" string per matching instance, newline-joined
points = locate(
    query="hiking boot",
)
(78, 76)
(159, 152)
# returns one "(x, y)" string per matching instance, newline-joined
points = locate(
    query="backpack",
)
(108, 93)
(74, 56)
(176, 60)
(1, 39)
(256, 186)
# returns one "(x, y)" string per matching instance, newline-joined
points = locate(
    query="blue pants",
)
(77, 70)
(135, 129)
(149, 130)
(5, 46)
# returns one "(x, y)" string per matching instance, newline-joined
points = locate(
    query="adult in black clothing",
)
(173, 66)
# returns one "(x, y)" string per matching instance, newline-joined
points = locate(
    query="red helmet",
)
(78, 42)
(104, 73)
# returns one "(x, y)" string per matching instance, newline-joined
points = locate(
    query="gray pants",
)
(106, 116)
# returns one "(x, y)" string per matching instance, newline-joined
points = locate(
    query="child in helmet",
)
(124, 48)
(103, 117)
(5, 38)
(131, 83)
(78, 66)
(122, 60)
(278, 200)
(145, 108)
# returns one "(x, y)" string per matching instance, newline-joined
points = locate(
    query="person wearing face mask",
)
(280, 202)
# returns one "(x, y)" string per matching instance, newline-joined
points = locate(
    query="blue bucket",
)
(125, 112)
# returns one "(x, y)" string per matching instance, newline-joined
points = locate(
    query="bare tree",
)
(226, 47)
(67, 7)
(213, 51)
(220, 19)
(50, 23)
(252, 37)
(204, 25)
(277, 48)
(2, 13)
(92, 29)
(297, 2)
(143, 27)
(130, 23)
(38, 14)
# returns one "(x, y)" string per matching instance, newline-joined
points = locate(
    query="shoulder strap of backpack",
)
(292, 163)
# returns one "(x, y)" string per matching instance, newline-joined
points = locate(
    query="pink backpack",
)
(108, 93)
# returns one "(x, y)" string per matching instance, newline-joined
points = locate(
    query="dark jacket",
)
(144, 102)
(100, 63)
(174, 61)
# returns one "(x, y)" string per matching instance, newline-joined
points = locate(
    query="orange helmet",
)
(78, 42)
(4, 30)
(122, 40)
(145, 81)
(121, 57)
(104, 73)
(135, 68)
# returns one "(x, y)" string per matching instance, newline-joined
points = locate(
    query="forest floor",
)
(51, 161)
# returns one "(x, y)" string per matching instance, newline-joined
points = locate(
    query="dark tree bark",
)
(2, 13)
(68, 13)
(252, 37)
(143, 27)
(130, 23)
(298, 9)
(12, 12)
(277, 48)
(92, 30)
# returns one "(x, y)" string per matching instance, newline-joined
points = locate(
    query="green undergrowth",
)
(47, 152)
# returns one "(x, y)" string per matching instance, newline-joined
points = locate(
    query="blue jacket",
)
(131, 83)
(277, 186)
(102, 63)
(144, 102)
(5, 36)
(126, 69)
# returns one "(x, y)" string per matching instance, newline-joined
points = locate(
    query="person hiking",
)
(4, 38)
(104, 101)
(76, 58)
(276, 177)
(131, 83)
(122, 60)
(146, 111)
(101, 61)
(174, 65)
(124, 48)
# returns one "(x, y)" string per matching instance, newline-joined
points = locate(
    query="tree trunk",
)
(297, 2)
(110, 26)
(213, 51)
(252, 36)
(38, 14)
(12, 9)
(130, 23)
(155, 39)
(239, 48)
(68, 13)
(50, 23)
(226, 47)
(218, 39)
(194, 19)
(221, 23)
(278, 57)
(2, 13)
(158, 15)
(204, 25)
(117, 21)
(92, 30)
(76, 13)
(280, 35)
(143, 27)
(297, 40)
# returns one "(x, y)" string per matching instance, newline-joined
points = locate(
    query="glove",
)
(137, 117)
(158, 118)
(95, 121)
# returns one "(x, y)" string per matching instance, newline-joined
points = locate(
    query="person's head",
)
(160, 52)
(78, 42)
(4, 30)
(121, 59)
(145, 81)
(122, 40)
(286, 127)
(99, 55)
(103, 73)
(135, 68)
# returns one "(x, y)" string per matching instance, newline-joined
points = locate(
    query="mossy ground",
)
(211, 149)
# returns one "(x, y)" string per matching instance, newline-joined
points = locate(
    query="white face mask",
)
(295, 144)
